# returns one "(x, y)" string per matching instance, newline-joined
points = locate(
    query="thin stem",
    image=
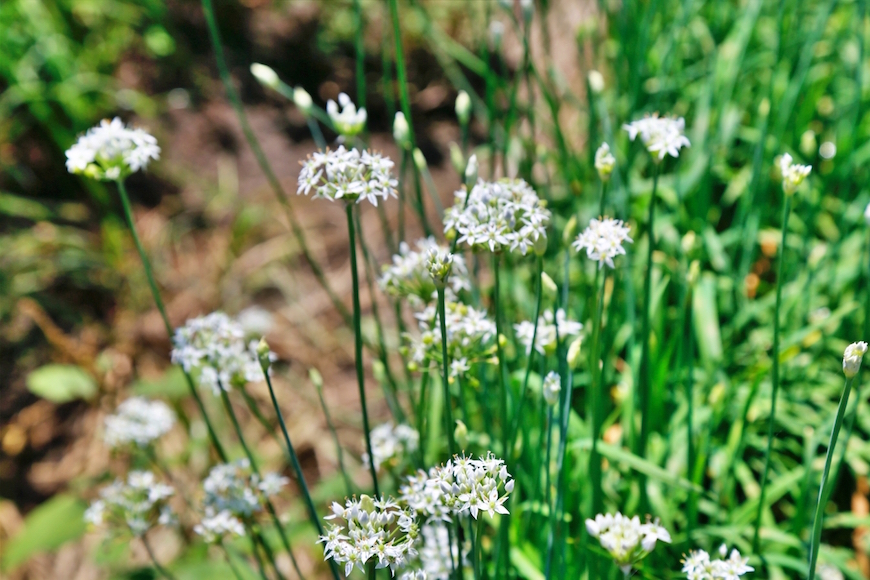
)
(236, 573)
(259, 559)
(357, 331)
(531, 359)
(595, 398)
(820, 505)
(163, 571)
(155, 293)
(504, 523)
(786, 208)
(445, 365)
(687, 364)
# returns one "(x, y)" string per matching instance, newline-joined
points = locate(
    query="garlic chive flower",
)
(235, 488)
(265, 75)
(545, 341)
(401, 131)
(793, 174)
(138, 421)
(475, 485)
(660, 135)
(218, 525)
(303, 101)
(347, 175)
(408, 276)
(552, 387)
(372, 528)
(603, 240)
(215, 346)
(439, 263)
(435, 554)
(138, 503)
(852, 358)
(604, 162)
(626, 539)
(469, 337)
(392, 445)
(506, 215)
(699, 566)
(463, 107)
(111, 151)
(348, 122)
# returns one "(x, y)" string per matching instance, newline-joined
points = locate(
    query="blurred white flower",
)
(604, 162)
(552, 388)
(217, 525)
(469, 334)
(545, 341)
(111, 151)
(463, 107)
(660, 135)
(439, 263)
(828, 572)
(408, 275)
(401, 131)
(265, 75)
(139, 504)
(698, 565)
(303, 101)
(603, 240)
(626, 539)
(852, 358)
(596, 81)
(792, 173)
(235, 488)
(392, 444)
(347, 175)
(138, 420)
(348, 122)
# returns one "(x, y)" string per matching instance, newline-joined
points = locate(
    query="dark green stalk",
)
(316, 133)
(816, 537)
(595, 399)
(155, 292)
(531, 359)
(297, 468)
(445, 365)
(504, 523)
(163, 571)
(786, 208)
(359, 48)
(358, 343)
(236, 573)
(257, 557)
(686, 363)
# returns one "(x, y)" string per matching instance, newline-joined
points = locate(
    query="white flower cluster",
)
(545, 341)
(217, 525)
(348, 122)
(604, 162)
(852, 357)
(215, 345)
(626, 539)
(603, 240)
(698, 565)
(111, 151)
(660, 135)
(374, 528)
(392, 444)
(139, 421)
(234, 488)
(504, 215)
(552, 387)
(435, 555)
(793, 174)
(408, 275)
(347, 174)
(469, 333)
(139, 503)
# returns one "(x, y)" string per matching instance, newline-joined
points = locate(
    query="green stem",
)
(504, 523)
(155, 292)
(595, 399)
(820, 505)
(359, 48)
(163, 571)
(236, 573)
(255, 536)
(445, 365)
(687, 364)
(786, 208)
(358, 343)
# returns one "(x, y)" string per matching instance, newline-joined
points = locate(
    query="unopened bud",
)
(574, 353)
(316, 378)
(596, 81)
(402, 131)
(263, 354)
(570, 231)
(540, 245)
(379, 371)
(303, 101)
(471, 170)
(419, 159)
(694, 273)
(265, 75)
(463, 108)
(604, 162)
(457, 159)
(852, 358)
(460, 434)
(549, 286)
(552, 387)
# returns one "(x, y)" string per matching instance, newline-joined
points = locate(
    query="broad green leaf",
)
(46, 528)
(171, 385)
(61, 383)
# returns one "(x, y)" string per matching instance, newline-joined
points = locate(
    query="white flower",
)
(348, 122)
(698, 565)
(303, 101)
(828, 572)
(112, 151)
(852, 358)
(604, 162)
(603, 240)
(347, 175)
(265, 75)
(215, 344)
(138, 420)
(469, 334)
(499, 216)
(139, 504)
(552, 387)
(401, 131)
(408, 275)
(545, 341)
(660, 135)
(792, 173)
(626, 539)
(216, 526)
(392, 445)
(463, 107)
(234, 488)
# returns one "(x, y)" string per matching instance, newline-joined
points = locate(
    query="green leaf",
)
(46, 528)
(171, 385)
(61, 383)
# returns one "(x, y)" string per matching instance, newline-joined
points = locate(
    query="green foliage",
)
(61, 383)
(46, 528)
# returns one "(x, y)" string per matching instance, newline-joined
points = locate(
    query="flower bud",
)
(460, 434)
(439, 265)
(419, 159)
(348, 122)
(852, 358)
(263, 353)
(402, 131)
(471, 170)
(574, 353)
(792, 174)
(316, 378)
(596, 81)
(540, 245)
(570, 231)
(265, 75)
(604, 162)
(457, 159)
(552, 387)
(551, 291)
(463, 108)
(303, 101)
(379, 371)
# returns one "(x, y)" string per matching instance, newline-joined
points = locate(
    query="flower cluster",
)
(603, 240)
(472, 486)
(660, 135)
(373, 528)
(626, 539)
(139, 421)
(552, 387)
(234, 488)
(436, 556)
(408, 276)
(215, 345)
(504, 215)
(545, 340)
(347, 174)
(111, 151)
(604, 162)
(698, 565)
(139, 503)
(439, 263)
(852, 358)
(469, 333)
(793, 174)
(217, 525)
(392, 444)
(348, 122)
